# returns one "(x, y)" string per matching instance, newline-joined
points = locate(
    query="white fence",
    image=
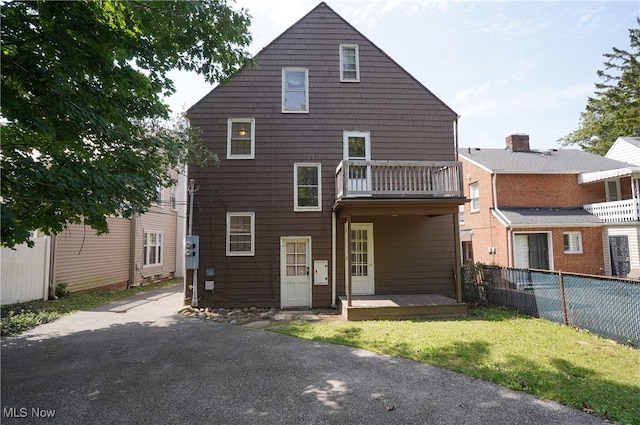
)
(616, 211)
(25, 272)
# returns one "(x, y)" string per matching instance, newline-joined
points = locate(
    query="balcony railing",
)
(399, 179)
(616, 211)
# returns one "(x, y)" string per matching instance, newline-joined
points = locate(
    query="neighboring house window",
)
(240, 233)
(307, 187)
(349, 63)
(158, 199)
(572, 242)
(173, 198)
(613, 190)
(240, 138)
(474, 194)
(295, 90)
(151, 248)
(461, 214)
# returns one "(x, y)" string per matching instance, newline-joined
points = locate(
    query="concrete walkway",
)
(138, 362)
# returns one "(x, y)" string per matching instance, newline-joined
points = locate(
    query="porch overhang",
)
(599, 176)
(347, 208)
(356, 207)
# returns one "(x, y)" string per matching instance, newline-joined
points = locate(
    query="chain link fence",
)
(609, 307)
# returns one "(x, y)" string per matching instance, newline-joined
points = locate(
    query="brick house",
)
(338, 178)
(546, 209)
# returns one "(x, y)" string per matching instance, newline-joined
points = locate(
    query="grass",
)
(519, 352)
(17, 318)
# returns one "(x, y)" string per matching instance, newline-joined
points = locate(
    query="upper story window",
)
(474, 194)
(613, 190)
(307, 187)
(241, 138)
(158, 198)
(295, 90)
(349, 63)
(572, 242)
(240, 233)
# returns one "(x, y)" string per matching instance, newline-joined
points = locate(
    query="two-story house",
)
(338, 177)
(620, 213)
(546, 209)
(146, 248)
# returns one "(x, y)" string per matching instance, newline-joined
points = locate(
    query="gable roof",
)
(330, 21)
(553, 161)
(635, 141)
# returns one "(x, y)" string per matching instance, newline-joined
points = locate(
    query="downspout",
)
(494, 178)
(52, 267)
(333, 260)
(132, 254)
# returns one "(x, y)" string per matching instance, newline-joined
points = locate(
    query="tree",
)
(82, 93)
(614, 111)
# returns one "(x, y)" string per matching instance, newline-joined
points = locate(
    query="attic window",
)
(295, 90)
(349, 63)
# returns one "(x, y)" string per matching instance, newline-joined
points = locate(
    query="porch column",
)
(458, 259)
(347, 261)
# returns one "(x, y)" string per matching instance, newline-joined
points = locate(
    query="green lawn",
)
(17, 318)
(519, 352)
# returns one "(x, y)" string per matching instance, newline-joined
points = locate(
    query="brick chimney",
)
(518, 142)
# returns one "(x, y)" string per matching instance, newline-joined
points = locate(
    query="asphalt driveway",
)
(138, 362)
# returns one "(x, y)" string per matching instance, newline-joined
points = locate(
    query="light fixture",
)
(242, 132)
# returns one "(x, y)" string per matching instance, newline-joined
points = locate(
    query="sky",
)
(505, 67)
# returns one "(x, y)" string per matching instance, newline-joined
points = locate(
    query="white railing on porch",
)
(399, 178)
(616, 211)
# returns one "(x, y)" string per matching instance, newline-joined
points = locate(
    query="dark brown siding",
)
(411, 255)
(405, 120)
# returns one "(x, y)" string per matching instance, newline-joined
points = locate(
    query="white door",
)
(362, 278)
(357, 146)
(295, 264)
(521, 250)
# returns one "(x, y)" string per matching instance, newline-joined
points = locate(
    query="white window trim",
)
(477, 196)
(250, 121)
(296, 207)
(367, 142)
(145, 259)
(572, 249)
(342, 78)
(306, 94)
(250, 253)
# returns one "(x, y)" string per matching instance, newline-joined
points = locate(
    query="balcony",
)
(616, 212)
(399, 179)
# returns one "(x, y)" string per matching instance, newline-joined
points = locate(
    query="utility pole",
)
(194, 276)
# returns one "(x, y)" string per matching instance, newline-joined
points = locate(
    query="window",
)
(240, 234)
(158, 198)
(461, 214)
(295, 93)
(240, 138)
(572, 242)
(349, 63)
(151, 248)
(474, 194)
(613, 190)
(173, 199)
(307, 187)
